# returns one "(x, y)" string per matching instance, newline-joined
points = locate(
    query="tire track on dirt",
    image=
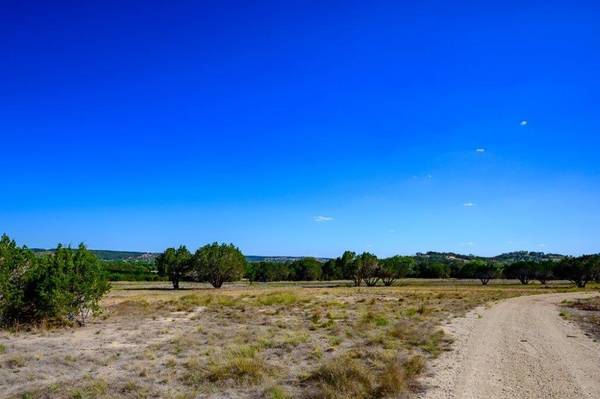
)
(519, 348)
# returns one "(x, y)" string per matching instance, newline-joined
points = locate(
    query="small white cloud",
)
(480, 150)
(468, 243)
(429, 176)
(541, 245)
(322, 219)
(524, 122)
(469, 204)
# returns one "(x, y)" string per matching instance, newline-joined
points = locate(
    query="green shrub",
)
(63, 286)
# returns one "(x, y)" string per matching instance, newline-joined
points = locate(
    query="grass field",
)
(261, 341)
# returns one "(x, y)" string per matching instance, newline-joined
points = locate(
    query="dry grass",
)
(586, 313)
(266, 341)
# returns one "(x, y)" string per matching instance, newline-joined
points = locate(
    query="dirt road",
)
(518, 348)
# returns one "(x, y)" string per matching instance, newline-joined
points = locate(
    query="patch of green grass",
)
(342, 378)
(92, 389)
(277, 298)
(374, 318)
(276, 392)
(192, 301)
(240, 365)
(2, 349)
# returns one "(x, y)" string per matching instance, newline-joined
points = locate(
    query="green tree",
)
(483, 270)
(394, 268)
(367, 269)
(306, 269)
(267, 271)
(544, 271)
(425, 268)
(331, 271)
(579, 270)
(523, 271)
(219, 263)
(174, 263)
(346, 264)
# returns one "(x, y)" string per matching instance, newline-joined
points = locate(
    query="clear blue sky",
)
(303, 127)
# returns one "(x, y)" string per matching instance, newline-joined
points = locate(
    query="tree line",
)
(368, 269)
(218, 263)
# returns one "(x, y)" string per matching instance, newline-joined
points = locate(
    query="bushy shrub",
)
(63, 286)
(16, 269)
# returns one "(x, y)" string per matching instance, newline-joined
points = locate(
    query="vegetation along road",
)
(518, 348)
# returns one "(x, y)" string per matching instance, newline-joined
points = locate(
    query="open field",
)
(261, 341)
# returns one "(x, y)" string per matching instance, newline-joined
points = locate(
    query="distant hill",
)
(506, 258)
(282, 259)
(113, 255)
(150, 256)
(519, 256)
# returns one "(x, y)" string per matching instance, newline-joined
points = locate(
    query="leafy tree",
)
(579, 270)
(394, 268)
(330, 270)
(544, 271)
(347, 265)
(174, 263)
(427, 269)
(267, 271)
(219, 263)
(524, 271)
(482, 270)
(306, 269)
(367, 269)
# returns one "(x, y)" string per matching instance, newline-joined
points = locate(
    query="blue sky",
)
(302, 128)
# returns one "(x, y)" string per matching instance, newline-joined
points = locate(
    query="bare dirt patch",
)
(518, 348)
(586, 313)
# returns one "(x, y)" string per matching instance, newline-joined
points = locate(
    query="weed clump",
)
(240, 365)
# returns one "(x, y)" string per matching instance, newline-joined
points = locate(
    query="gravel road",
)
(517, 348)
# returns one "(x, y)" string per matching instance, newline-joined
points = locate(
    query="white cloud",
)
(322, 219)
(480, 150)
(469, 204)
(524, 122)
(542, 245)
(468, 243)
